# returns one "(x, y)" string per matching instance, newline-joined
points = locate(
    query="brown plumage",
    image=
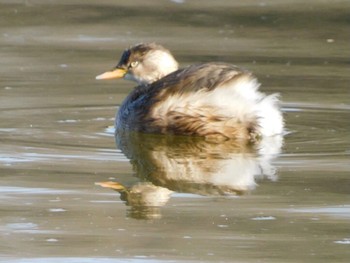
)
(214, 99)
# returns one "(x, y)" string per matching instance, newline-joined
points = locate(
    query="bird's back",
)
(209, 99)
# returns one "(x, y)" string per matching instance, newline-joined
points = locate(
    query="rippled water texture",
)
(69, 194)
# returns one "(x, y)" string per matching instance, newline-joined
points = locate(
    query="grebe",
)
(215, 100)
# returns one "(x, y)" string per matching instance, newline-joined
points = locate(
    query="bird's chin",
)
(131, 77)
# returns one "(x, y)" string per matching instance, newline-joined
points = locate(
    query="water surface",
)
(177, 199)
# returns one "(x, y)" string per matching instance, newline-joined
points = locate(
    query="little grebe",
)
(209, 99)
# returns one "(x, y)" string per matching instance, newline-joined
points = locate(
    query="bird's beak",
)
(116, 73)
(113, 185)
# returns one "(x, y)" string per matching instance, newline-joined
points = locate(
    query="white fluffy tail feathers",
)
(269, 116)
(235, 109)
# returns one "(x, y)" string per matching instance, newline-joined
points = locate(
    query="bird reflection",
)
(144, 199)
(167, 164)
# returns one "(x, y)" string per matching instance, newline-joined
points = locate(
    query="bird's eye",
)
(134, 64)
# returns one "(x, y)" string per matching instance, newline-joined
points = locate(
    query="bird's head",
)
(143, 63)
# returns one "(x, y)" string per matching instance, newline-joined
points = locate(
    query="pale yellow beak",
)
(113, 185)
(114, 74)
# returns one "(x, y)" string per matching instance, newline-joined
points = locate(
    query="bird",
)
(215, 100)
